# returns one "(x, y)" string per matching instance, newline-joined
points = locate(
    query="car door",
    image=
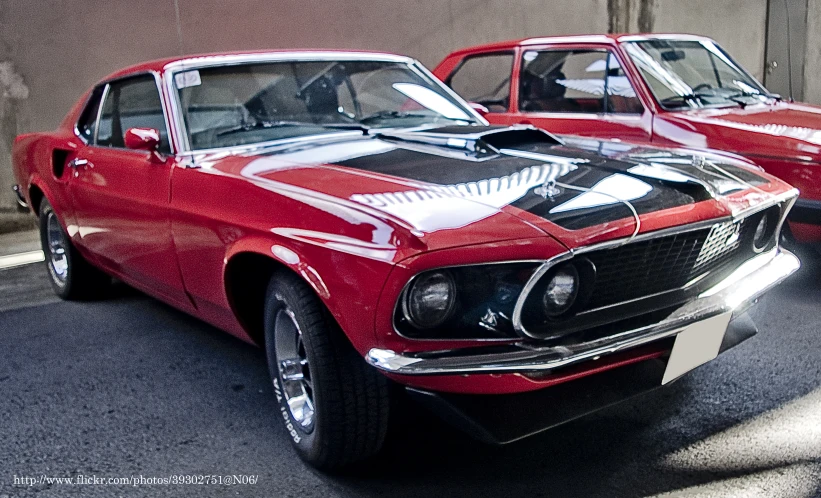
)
(579, 91)
(121, 196)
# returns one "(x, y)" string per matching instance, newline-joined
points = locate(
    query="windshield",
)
(684, 74)
(258, 102)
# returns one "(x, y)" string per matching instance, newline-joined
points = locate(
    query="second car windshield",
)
(257, 102)
(685, 74)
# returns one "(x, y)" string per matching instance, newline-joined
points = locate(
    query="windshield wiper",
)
(700, 97)
(680, 99)
(737, 97)
(263, 124)
(404, 114)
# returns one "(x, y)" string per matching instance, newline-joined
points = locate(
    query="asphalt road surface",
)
(131, 387)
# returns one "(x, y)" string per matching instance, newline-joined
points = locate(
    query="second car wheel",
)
(333, 404)
(71, 276)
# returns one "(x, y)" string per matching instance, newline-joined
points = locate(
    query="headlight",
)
(561, 291)
(430, 300)
(765, 229)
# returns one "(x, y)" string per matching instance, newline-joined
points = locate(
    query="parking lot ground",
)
(129, 386)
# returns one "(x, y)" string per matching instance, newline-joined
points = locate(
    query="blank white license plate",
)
(695, 345)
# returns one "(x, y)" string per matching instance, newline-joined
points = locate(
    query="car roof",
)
(610, 39)
(227, 58)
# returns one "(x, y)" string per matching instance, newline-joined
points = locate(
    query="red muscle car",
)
(669, 90)
(358, 220)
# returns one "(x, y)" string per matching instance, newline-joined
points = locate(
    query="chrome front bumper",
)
(734, 294)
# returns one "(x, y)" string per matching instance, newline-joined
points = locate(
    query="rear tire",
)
(334, 405)
(71, 276)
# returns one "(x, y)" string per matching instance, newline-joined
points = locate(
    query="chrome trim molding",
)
(534, 279)
(734, 294)
(306, 56)
(103, 98)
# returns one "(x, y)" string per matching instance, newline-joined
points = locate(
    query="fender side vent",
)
(58, 162)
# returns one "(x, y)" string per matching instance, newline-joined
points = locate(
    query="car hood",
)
(494, 183)
(782, 129)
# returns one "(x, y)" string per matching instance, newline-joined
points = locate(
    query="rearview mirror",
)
(672, 55)
(482, 110)
(142, 138)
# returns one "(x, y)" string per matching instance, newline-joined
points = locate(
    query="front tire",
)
(71, 276)
(333, 404)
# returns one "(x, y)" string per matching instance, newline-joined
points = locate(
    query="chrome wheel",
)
(56, 247)
(294, 370)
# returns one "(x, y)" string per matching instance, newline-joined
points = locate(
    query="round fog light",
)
(430, 300)
(561, 291)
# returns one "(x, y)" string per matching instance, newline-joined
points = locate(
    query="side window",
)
(88, 119)
(580, 81)
(131, 103)
(484, 79)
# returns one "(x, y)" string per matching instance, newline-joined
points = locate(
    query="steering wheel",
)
(703, 86)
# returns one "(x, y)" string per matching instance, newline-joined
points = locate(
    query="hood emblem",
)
(699, 162)
(548, 190)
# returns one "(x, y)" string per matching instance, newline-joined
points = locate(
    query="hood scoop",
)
(488, 141)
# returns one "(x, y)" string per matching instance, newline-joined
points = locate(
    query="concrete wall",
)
(53, 50)
(740, 26)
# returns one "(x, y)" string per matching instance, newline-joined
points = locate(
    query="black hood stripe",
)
(601, 172)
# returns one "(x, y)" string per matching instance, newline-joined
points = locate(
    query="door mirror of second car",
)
(482, 110)
(142, 139)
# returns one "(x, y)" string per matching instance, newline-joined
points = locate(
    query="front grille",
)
(665, 263)
(640, 278)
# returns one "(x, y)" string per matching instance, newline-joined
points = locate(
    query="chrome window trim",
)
(104, 96)
(299, 56)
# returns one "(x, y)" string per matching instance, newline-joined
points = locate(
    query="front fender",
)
(347, 284)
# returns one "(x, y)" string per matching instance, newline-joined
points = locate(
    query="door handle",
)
(75, 164)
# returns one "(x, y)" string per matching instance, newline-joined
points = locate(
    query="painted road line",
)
(24, 258)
